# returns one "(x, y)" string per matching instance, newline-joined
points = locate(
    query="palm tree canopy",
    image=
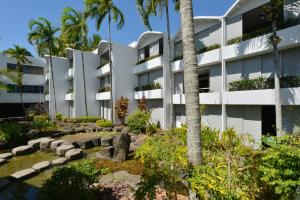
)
(147, 8)
(93, 42)
(98, 10)
(42, 34)
(74, 28)
(18, 53)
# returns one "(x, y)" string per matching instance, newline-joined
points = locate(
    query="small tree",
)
(142, 103)
(121, 109)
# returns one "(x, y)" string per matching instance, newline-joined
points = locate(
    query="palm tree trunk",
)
(191, 83)
(110, 66)
(84, 84)
(52, 77)
(169, 64)
(277, 73)
(20, 84)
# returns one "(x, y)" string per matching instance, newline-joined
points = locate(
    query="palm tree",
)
(93, 42)
(74, 25)
(273, 13)
(148, 8)
(42, 35)
(191, 86)
(16, 76)
(98, 10)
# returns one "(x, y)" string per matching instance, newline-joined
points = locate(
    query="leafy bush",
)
(131, 166)
(104, 89)
(104, 123)
(58, 116)
(208, 48)
(43, 123)
(70, 91)
(142, 103)
(152, 86)
(72, 182)
(138, 120)
(121, 109)
(36, 109)
(11, 133)
(41, 117)
(83, 119)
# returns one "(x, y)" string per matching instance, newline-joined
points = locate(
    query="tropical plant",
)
(104, 123)
(98, 10)
(147, 8)
(42, 34)
(142, 103)
(121, 108)
(16, 75)
(138, 121)
(12, 134)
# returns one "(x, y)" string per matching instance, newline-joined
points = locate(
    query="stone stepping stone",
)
(22, 150)
(74, 154)
(107, 152)
(117, 129)
(62, 150)
(107, 141)
(24, 174)
(96, 141)
(35, 144)
(2, 161)
(6, 155)
(107, 129)
(133, 180)
(85, 144)
(56, 144)
(59, 161)
(45, 143)
(4, 182)
(41, 166)
(99, 129)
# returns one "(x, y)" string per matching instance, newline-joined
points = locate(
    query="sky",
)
(15, 15)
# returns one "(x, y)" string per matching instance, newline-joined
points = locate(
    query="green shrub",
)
(152, 86)
(83, 119)
(41, 117)
(104, 123)
(72, 182)
(104, 89)
(137, 121)
(208, 48)
(58, 116)
(11, 133)
(43, 123)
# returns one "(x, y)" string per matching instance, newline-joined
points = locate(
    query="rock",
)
(21, 150)
(121, 147)
(6, 156)
(4, 182)
(107, 152)
(107, 141)
(96, 141)
(99, 129)
(85, 144)
(62, 150)
(35, 144)
(2, 161)
(132, 148)
(41, 166)
(32, 133)
(74, 154)
(45, 143)
(57, 134)
(133, 180)
(120, 175)
(107, 129)
(59, 161)
(68, 132)
(56, 144)
(108, 178)
(24, 174)
(117, 129)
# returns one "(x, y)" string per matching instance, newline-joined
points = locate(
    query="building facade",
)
(236, 73)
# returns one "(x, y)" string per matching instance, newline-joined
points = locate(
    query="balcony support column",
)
(224, 75)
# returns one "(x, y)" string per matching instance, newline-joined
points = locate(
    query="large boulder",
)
(107, 152)
(22, 150)
(121, 147)
(107, 141)
(59, 161)
(35, 144)
(24, 174)
(45, 143)
(41, 166)
(74, 154)
(6, 156)
(56, 144)
(85, 144)
(62, 150)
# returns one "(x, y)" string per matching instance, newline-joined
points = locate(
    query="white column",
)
(224, 76)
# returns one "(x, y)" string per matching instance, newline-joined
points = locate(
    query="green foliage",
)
(58, 116)
(43, 123)
(138, 120)
(70, 91)
(131, 166)
(208, 48)
(41, 117)
(83, 119)
(104, 123)
(11, 133)
(152, 86)
(121, 108)
(280, 165)
(104, 89)
(72, 182)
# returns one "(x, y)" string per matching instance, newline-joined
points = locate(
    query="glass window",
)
(27, 69)
(141, 54)
(178, 49)
(204, 82)
(154, 49)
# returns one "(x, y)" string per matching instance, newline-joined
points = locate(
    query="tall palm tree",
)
(98, 10)
(20, 55)
(43, 36)
(147, 8)
(74, 25)
(273, 13)
(93, 42)
(191, 86)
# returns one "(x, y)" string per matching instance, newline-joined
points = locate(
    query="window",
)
(178, 49)
(27, 69)
(203, 82)
(104, 59)
(141, 54)
(152, 50)
(32, 89)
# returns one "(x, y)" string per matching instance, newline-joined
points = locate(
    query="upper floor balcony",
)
(47, 76)
(69, 75)
(69, 96)
(104, 93)
(149, 64)
(151, 91)
(103, 70)
(47, 97)
(212, 98)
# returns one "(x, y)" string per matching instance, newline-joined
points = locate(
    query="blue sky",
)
(15, 14)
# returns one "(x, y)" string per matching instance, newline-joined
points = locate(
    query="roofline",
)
(147, 33)
(231, 8)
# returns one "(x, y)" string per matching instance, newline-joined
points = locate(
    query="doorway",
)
(268, 120)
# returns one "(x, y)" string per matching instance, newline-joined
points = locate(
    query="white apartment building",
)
(233, 50)
(33, 86)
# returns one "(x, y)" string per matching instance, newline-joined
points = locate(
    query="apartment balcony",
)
(289, 96)
(289, 37)
(204, 59)
(47, 97)
(103, 96)
(69, 97)
(149, 94)
(149, 65)
(103, 71)
(69, 74)
(47, 76)
(212, 98)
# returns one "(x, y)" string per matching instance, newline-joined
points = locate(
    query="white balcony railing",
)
(103, 96)
(103, 71)
(47, 76)
(69, 74)
(47, 97)
(69, 97)
(150, 65)
(149, 94)
(212, 98)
